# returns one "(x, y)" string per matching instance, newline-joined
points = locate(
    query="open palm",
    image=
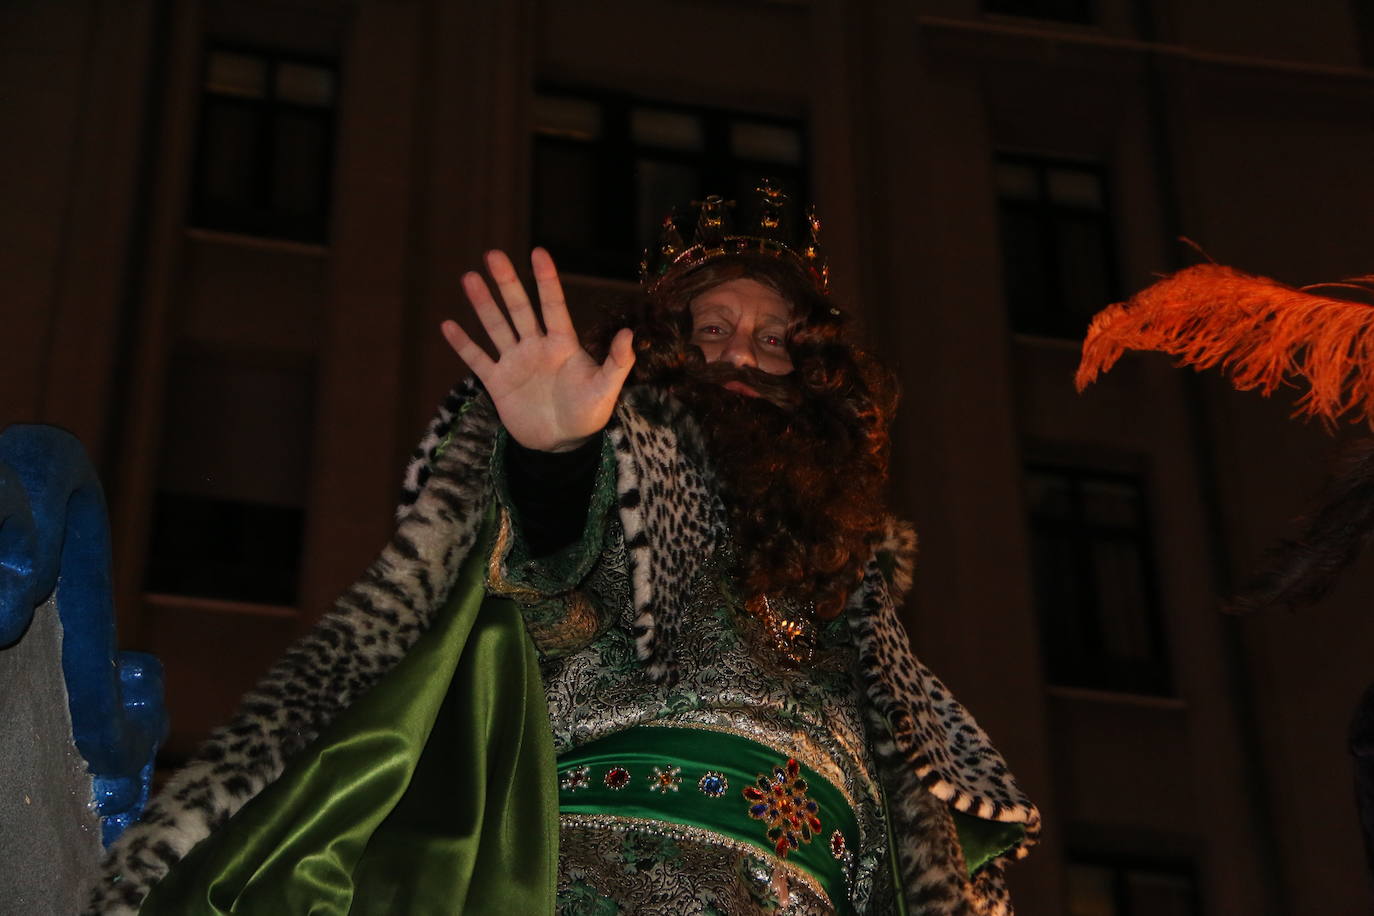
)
(549, 392)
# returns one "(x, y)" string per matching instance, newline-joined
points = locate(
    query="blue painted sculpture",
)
(55, 544)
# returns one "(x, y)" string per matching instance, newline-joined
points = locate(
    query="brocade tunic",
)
(576, 604)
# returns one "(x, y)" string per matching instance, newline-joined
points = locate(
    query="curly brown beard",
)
(801, 485)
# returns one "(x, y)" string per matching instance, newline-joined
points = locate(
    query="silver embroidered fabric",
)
(732, 683)
(603, 871)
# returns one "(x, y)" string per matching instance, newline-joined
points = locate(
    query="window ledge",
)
(1112, 698)
(1031, 28)
(591, 281)
(1045, 342)
(260, 243)
(218, 605)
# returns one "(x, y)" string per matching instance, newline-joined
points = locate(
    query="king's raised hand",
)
(550, 393)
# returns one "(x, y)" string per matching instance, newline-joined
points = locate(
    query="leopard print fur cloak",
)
(932, 755)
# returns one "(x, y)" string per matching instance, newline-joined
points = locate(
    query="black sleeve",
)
(550, 492)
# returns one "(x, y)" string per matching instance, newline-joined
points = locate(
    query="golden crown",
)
(768, 229)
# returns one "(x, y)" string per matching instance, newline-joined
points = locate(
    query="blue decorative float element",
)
(54, 535)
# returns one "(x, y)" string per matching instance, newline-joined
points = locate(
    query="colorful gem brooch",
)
(576, 778)
(780, 802)
(617, 778)
(713, 784)
(665, 779)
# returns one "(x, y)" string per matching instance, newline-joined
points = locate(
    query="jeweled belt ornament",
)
(679, 780)
(780, 802)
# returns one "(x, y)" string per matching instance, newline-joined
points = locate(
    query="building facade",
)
(232, 228)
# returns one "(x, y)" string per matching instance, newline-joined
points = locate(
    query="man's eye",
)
(710, 330)
(773, 340)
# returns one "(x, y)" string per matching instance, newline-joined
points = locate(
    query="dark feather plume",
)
(1298, 572)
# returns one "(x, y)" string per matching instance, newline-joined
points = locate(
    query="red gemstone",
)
(617, 777)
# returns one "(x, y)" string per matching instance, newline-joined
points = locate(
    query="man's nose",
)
(739, 351)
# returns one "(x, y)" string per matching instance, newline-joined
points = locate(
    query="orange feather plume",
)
(1261, 332)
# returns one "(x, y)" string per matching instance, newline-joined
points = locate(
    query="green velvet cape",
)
(433, 793)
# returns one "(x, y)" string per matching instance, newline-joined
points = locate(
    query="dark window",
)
(608, 168)
(265, 150)
(1057, 10)
(223, 548)
(1363, 13)
(228, 517)
(1095, 586)
(1058, 250)
(1098, 887)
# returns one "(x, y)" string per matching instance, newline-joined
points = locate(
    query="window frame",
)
(1047, 321)
(257, 216)
(1121, 866)
(616, 252)
(1088, 666)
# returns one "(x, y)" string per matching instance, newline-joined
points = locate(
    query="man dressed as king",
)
(632, 648)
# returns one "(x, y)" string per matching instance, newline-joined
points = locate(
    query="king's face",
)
(744, 323)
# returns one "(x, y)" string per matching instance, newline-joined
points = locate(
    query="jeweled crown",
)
(768, 227)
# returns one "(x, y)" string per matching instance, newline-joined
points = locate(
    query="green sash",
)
(432, 793)
(669, 777)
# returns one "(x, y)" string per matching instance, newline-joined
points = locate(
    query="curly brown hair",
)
(803, 485)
